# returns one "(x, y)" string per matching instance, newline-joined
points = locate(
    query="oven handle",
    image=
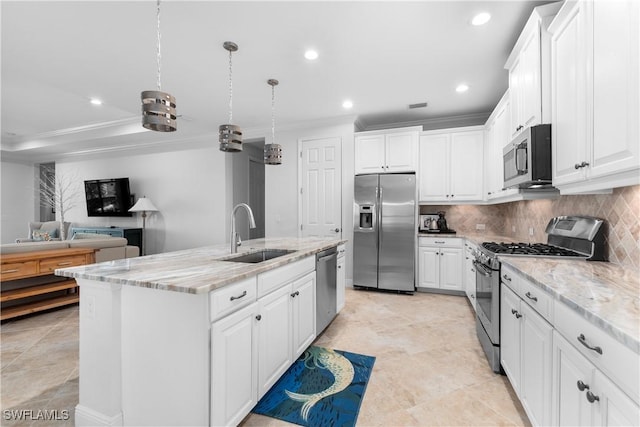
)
(481, 269)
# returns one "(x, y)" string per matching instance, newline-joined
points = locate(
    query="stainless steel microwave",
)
(527, 159)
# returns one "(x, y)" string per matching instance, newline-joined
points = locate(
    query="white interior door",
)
(321, 187)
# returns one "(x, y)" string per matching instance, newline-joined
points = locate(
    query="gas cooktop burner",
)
(530, 249)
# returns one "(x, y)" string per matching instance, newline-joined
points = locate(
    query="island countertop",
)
(198, 270)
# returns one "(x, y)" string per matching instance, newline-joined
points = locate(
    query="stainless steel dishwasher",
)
(325, 288)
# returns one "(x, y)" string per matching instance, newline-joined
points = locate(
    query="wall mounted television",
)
(108, 197)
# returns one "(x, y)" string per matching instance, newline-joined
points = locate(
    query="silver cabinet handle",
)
(65, 263)
(507, 278)
(531, 297)
(583, 341)
(233, 298)
(592, 397)
(439, 242)
(295, 294)
(15, 270)
(258, 317)
(582, 386)
(336, 230)
(515, 313)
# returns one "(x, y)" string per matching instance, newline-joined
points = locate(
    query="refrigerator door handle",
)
(380, 216)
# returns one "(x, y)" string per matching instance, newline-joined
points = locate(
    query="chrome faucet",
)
(235, 237)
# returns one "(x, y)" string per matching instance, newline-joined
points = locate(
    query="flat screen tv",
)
(108, 197)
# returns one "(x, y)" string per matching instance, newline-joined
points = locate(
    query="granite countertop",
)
(605, 294)
(198, 270)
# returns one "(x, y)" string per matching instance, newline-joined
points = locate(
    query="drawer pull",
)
(15, 270)
(592, 397)
(582, 386)
(295, 294)
(441, 243)
(65, 263)
(583, 341)
(515, 312)
(258, 317)
(531, 297)
(507, 278)
(244, 294)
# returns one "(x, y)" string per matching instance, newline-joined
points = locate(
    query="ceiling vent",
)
(418, 105)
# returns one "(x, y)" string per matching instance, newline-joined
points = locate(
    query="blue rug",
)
(323, 387)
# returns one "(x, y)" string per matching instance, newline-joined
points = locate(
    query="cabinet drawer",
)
(341, 250)
(616, 360)
(445, 242)
(49, 265)
(232, 297)
(510, 279)
(538, 299)
(18, 270)
(272, 280)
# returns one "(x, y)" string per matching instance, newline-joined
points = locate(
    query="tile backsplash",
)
(620, 210)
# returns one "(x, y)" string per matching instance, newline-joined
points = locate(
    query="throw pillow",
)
(39, 235)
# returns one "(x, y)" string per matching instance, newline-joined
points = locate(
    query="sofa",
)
(45, 231)
(107, 248)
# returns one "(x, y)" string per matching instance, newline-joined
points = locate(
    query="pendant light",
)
(230, 136)
(273, 151)
(158, 108)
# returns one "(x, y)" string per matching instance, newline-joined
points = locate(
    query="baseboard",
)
(88, 417)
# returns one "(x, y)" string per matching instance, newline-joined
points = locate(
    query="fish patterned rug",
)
(323, 387)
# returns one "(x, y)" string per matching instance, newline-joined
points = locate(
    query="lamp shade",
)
(143, 205)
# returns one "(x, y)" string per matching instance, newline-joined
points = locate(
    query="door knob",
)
(337, 230)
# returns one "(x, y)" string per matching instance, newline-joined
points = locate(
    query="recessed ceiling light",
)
(311, 54)
(95, 101)
(347, 104)
(462, 88)
(481, 18)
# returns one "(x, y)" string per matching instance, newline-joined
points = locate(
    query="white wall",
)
(188, 187)
(18, 203)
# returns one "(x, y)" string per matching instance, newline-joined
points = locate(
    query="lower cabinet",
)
(583, 395)
(341, 278)
(526, 355)
(254, 346)
(470, 272)
(440, 263)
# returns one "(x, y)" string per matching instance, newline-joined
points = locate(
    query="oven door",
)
(488, 300)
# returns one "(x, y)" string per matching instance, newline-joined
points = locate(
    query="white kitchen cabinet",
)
(234, 366)
(583, 395)
(595, 95)
(451, 165)
(440, 263)
(470, 272)
(529, 68)
(303, 322)
(386, 152)
(526, 346)
(341, 277)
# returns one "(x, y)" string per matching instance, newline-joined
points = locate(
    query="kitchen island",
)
(192, 337)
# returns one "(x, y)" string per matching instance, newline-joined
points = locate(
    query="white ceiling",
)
(382, 55)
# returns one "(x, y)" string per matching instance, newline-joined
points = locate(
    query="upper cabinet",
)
(451, 165)
(595, 95)
(528, 66)
(393, 150)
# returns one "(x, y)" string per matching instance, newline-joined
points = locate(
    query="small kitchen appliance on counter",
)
(434, 223)
(573, 237)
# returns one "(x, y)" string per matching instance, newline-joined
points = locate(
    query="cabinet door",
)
(516, 98)
(466, 166)
(428, 267)
(615, 87)
(451, 269)
(401, 151)
(434, 167)
(571, 372)
(614, 408)
(369, 152)
(341, 281)
(568, 100)
(234, 366)
(470, 275)
(510, 335)
(304, 313)
(537, 366)
(530, 78)
(274, 337)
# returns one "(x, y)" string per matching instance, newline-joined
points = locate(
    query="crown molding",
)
(431, 123)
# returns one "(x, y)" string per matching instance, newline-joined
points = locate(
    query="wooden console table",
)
(28, 285)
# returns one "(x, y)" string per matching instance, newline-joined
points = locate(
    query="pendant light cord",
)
(159, 56)
(273, 114)
(230, 90)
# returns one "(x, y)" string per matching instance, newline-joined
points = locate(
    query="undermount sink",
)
(260, 256)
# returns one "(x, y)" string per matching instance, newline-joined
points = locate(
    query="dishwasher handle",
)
(327, 257)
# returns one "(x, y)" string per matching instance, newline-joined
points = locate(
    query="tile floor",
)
(429, 370)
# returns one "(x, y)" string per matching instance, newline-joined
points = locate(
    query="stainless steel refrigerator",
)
(384, 231)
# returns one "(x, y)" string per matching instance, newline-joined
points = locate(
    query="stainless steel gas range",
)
(572, 237)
